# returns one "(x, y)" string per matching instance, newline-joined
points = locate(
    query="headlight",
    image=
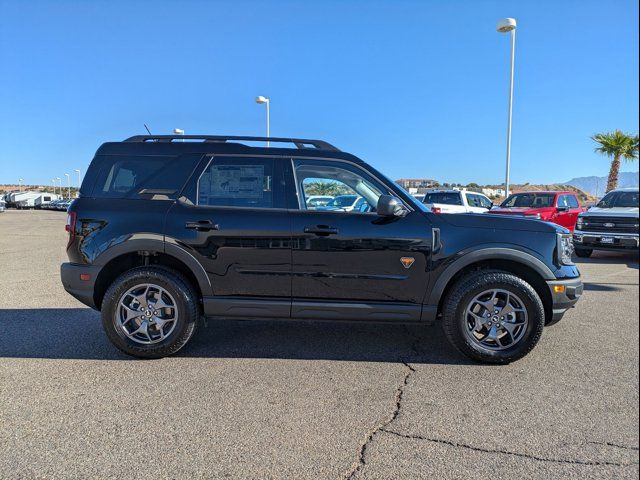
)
(565, 249)
(580, 223)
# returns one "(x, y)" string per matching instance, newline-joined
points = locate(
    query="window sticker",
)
(233, 181)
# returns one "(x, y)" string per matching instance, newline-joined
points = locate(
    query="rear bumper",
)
(593, 240)
(75, 286)
(565, 294)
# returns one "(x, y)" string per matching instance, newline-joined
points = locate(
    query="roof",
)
(221, 144)
(546, 192)
(626, 189)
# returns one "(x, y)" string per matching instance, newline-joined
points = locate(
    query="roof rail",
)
(298, 142)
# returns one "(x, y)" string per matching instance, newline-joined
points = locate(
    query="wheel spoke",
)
(479, 321)
(139, 304)
(142, 329)
(130, 314)
(506, 315)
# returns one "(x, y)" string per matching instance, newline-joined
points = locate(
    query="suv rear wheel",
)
(493, 316)
(150, 312)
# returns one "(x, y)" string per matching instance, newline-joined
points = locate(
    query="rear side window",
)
(122, 176)
(446, 198)
(240, 182)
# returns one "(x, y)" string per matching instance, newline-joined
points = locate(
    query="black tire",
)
(584, 252)
(186, 302)
(473, 284)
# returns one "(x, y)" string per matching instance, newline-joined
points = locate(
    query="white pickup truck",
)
(455, 201)
(611, 225)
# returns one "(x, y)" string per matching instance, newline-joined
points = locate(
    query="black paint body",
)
(262, 263)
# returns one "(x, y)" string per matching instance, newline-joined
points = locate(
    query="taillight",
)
(436, 209)
(71, 226)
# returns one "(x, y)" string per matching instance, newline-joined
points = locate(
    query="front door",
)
(349, 262)
(568, 211)
(232, 219)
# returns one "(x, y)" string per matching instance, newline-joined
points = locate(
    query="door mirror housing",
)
(563, 208)
(389, 206)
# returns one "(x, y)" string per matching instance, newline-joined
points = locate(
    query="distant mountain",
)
(596, 186)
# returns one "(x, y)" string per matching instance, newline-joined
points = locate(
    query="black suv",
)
(168, 229)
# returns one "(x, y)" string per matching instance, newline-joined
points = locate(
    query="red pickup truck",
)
(562, 208)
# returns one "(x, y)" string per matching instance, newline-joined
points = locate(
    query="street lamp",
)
(60, 184)
(507, 25)
(79, 181)
(266, 101)
(20, 183)
(68, 185)
(178, 131)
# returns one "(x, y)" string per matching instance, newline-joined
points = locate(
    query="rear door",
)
(355, 264)
(233, 219)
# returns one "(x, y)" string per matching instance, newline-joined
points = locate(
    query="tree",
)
(617, 145)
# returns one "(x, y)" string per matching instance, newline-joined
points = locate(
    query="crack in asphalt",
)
(514, 454)
(360, 461)
(616, 445)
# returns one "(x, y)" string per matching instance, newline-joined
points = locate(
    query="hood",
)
(520, 210)
(501, 222)
(612, 212)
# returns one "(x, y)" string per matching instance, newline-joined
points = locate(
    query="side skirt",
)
(284, 308)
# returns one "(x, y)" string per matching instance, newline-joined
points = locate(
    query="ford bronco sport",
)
(170, 229)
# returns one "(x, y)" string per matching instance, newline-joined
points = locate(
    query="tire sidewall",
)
(535, 315)
(182, 296)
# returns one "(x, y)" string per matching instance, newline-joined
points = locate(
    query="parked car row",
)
(61, 205)
(611, 225)
(34, 200)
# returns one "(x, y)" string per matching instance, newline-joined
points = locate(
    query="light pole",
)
(507, 25)
(178, 131)
(20, 183)
(60, 182)
(266, 101)
(53, 180)
(68, 185)
(79, 181)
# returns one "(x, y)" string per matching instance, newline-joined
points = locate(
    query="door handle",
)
(321, 230)
(202, 226)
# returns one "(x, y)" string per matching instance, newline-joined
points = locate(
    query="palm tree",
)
(617, 145)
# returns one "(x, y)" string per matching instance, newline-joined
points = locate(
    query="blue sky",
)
(417, 88)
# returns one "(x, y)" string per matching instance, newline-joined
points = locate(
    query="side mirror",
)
(563, 209)
(389, 206)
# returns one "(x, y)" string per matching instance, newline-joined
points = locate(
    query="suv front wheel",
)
(493, 316)
(150, 312)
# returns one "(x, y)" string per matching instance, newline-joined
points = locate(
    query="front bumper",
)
(74, 285)
(564, 294)
(593, 240)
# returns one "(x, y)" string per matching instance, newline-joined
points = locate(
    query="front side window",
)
(238, 182)
(568, 201)
(485, 202)
(352, 189)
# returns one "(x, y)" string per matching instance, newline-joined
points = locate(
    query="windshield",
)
(342, 201)
(447, 198)
(529, 200)
(620, 200)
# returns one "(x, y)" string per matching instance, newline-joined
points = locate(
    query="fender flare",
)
(159, 245)
(475, 256)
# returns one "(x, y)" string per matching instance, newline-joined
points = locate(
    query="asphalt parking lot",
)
(263, 400)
